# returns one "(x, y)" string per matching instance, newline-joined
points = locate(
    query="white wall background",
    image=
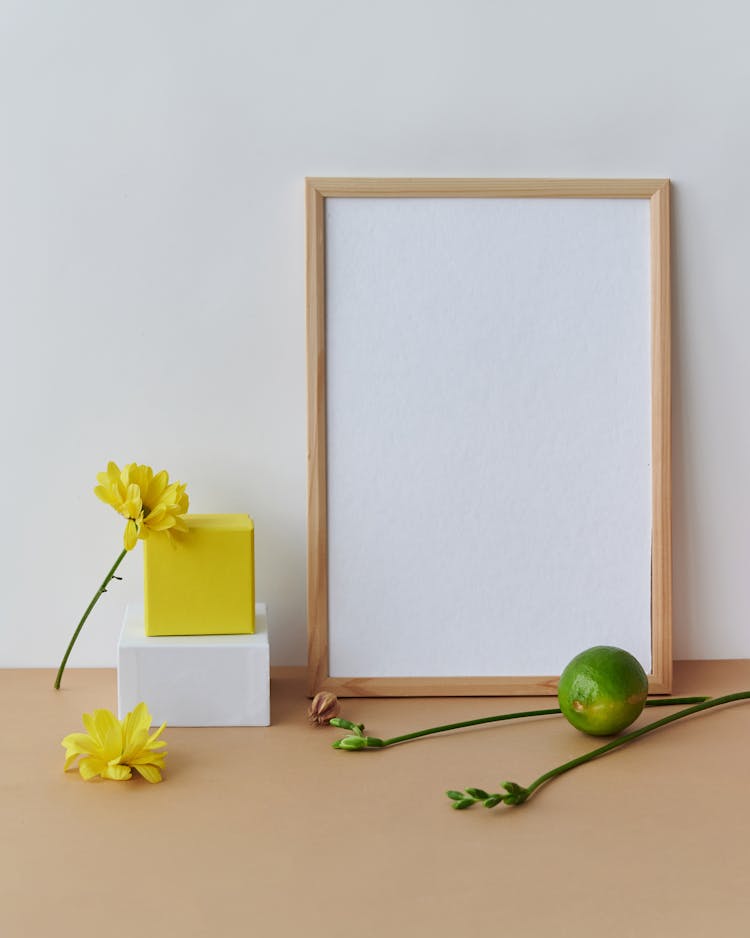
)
(152, 157)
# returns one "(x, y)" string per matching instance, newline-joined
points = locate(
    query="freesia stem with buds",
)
(515, 794)
(359, 741)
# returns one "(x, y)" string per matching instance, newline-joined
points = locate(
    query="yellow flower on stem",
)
(111, 748)
(146, 500)
(151, 505)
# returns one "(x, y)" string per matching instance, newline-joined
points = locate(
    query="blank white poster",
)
(489, 433)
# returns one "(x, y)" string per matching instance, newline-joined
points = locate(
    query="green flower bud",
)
(351, 742)
(515, 799)
(492, 801)
(455, 795)
(517, 794)
(343, 724)
(463, 803)
(477, 793)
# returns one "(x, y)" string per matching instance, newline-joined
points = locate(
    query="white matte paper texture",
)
(489, 433)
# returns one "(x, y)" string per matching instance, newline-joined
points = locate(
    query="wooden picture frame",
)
(329, 199)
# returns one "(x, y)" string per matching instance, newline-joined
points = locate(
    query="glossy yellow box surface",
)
(205, 583)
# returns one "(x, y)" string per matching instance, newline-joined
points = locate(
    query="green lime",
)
(602, 690)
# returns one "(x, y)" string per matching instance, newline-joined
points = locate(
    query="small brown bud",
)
(323, 708)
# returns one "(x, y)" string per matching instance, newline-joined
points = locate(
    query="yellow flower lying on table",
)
(150, 505)
(111, 747)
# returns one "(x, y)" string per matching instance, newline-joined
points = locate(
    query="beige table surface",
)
(270, 832)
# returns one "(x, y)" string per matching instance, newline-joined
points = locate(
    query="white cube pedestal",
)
(195, 680)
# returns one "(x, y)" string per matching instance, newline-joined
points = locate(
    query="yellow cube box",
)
(205, 583)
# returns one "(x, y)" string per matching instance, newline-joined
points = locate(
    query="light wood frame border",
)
(657, 191)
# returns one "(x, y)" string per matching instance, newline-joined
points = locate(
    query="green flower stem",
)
(657, 702)
(382, 744)
(457, 726)
(97, 594)
(629, 737)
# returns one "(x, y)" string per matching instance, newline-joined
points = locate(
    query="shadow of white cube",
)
(195, 680)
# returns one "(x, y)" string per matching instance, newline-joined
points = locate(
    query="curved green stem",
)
(384, 743)
(657, 702)
(85, 616)
(515, 794)
(629, 737)
(458, 726)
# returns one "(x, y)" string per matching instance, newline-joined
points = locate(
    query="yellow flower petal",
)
(130, 537)
(163, 523)
(91, 728)
(149, 772)
(108, 496)
(135, 728)
(79, 743)
(137, 748)
(134, 474)
(104, 720)
(110, 733)
(132, 505)
(154, 736)
(156, 489)
(119, 773)
(171, 494)
(145, 477)
(157, 759)
(138, 720)
(69, 760)
(90, 767)
(156, 514)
